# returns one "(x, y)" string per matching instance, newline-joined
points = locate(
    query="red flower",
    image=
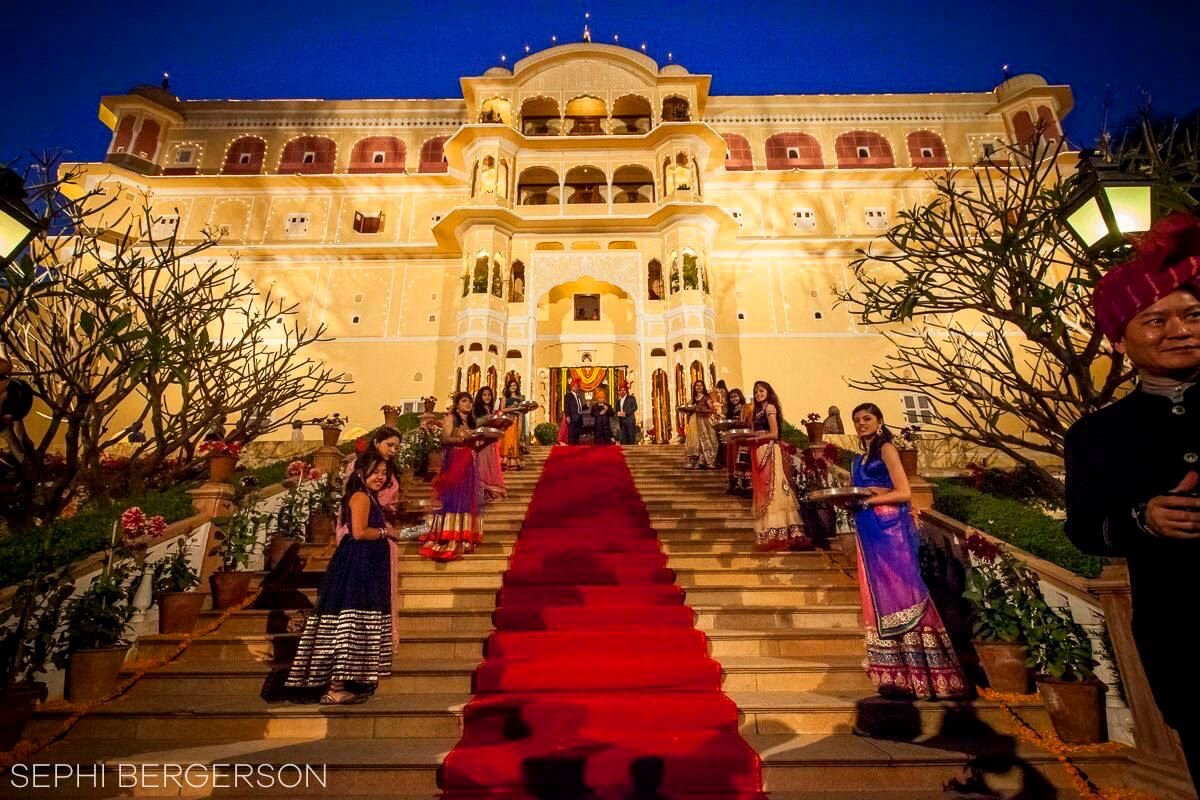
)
(156, 526)
(133, 521)
(830, 452)
(314, 474)
(982, 548)
(219, 448)
(360, 446)
(296, 469)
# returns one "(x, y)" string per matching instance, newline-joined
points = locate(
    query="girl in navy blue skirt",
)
(348, 635)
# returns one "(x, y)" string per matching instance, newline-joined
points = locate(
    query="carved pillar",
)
(1159, 766)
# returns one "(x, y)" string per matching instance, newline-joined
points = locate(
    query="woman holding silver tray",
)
(510, 445)
(491, 475)
(457, 526)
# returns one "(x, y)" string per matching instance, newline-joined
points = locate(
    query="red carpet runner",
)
(595, 682)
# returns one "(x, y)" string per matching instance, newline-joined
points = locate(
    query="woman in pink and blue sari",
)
(908, 650)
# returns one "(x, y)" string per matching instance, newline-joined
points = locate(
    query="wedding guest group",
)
(1133, 486)
(346, 645)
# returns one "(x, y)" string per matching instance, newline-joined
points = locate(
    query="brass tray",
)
(840, 495)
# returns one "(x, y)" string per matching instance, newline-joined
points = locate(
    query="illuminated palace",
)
(587, 209)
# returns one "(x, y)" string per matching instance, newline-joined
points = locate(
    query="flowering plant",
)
(291, 519)
(813, 417)
(999, 590)
(237, 536)
(221, 448)
(173, 572)
(334, 422)
(416, 446)
(302, 471)
(390, 409)
(136, 525)
(907, 438)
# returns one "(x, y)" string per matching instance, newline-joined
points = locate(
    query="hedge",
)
(1016, 523)
(89, 531)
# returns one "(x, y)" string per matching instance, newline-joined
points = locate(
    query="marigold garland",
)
(1049, 741)
(25, 749)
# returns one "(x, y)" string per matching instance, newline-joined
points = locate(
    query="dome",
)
(673, 69)
(498, 72)
(1017, 84)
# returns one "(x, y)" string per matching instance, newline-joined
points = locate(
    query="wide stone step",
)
(782, 577)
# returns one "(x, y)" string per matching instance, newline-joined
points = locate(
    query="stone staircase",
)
(785, 627)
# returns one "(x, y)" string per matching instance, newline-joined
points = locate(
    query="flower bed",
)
(1016, 523)
(88, 532)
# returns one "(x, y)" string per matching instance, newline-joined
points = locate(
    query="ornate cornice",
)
(809, 119)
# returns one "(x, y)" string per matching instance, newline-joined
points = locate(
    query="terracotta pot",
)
(391, 419)
(908, 460)
(178, 612)
(220, 468)
(92, 674)
(430, 404)
(1076, 708)
(278, 549)
(816, 432)
(1004, 665)
(434, 464)
(16, 707)
(229, 588)
(330, 436)
(321, 528)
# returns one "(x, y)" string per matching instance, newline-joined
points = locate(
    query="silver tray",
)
(487, 432)
(730, 426)
(499, 422)
(839, 494)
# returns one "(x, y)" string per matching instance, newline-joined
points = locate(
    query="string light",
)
(503, 58)
(526, 48)
(554, 39)
(643, 47)
(616, 37)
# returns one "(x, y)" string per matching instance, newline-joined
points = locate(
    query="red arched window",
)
(793, 151)
(432, 158)
(377, 154)
(245, 156)
(124, 134)
(308, 155)
(737, 155)
(1050, 129)
(926, 149)
(1023, 128)
(147, 140)
(863, 149)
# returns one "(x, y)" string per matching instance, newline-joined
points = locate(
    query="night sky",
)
(69, 53)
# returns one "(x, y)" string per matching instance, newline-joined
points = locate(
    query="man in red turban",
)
(1133, 467)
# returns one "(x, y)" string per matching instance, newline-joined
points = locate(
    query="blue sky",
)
(69, 53)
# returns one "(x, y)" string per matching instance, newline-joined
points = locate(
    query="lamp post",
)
(17, 222)
(1107, 204)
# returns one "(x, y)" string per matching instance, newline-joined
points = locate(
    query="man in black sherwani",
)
(626, 414)
(573, 408)
(1132, 466)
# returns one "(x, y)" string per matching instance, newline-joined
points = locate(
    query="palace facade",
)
(586, 209)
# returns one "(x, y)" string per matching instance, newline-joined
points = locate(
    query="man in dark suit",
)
(573, 408)
(626, 410)
(1133, 467)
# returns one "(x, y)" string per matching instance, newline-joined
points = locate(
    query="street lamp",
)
(17, 222)
(1107, 205)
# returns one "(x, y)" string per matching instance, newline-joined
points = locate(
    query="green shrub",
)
(1016, 523)
(546, 433)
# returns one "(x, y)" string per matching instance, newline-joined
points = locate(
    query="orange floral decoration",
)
(25, 749)
(1047, 740)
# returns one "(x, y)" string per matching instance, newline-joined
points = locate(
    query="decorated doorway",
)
(595, 381)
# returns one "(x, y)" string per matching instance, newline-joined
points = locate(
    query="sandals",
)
(330, 698)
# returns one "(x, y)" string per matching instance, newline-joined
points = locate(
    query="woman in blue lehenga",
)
(908, 649)
(348, 635)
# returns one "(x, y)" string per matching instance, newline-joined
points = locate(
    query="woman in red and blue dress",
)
(457, 526)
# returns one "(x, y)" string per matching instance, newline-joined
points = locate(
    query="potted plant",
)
(28, 628)
(291, 518)
(906, 443)
(430, 404)
(174, 579)
(1060, 653)
(433, 440)
(815, 428)
(93, 643)
(331, 428)
(236, 539)
(416, 448)
(997, 589)
(391, 415)
(324, 503)
(222, 459)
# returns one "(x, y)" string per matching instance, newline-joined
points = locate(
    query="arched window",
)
(495, 111)
(474, 375)
(1023, 128)
(537, 186)
(633, 184)
(124, 137)
(539, 117)
(513, 354)
(245, 156)
(146, 144)
(654, 280)
(695, 373)
(660, 408)
(458, 380)
(658, 352)
(308, 155)
(1050, 129)
(493, 349)
(674, 283)
(378, 154)
(516, 286)
(475, 347)
(926, 149)
(432, 157)
(695, 344)
(585, 116)
(479, 279)
(675, 109)
(737, 152)
(492, 380)
(712, 373)
(498, 277)
(585, 185)
(631, 115)
(666, 176)
(793, 151)
(863, 149)
(691, 271)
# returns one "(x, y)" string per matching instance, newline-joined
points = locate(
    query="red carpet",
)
(595, 683)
